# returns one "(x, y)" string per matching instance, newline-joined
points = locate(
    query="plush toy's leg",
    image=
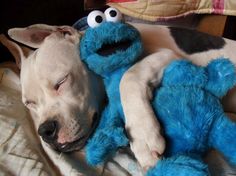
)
(180, 165)
(108, 137)
(223, 137)
(104, 143)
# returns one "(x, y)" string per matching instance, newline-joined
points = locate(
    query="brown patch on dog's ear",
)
(39, 37)
(18, 52)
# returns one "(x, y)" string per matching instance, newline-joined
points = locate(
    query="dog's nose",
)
(48, 130)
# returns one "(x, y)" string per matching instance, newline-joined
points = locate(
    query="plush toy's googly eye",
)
(95, 18)
(113, 15)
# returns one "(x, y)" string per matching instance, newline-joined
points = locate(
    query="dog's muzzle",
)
(49, 133)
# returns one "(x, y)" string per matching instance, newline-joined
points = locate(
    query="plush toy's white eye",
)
(95, 18)
(113, 15)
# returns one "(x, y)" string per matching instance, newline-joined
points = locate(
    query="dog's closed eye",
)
(60, 82)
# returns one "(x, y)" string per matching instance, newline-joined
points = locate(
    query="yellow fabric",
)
(153, 10)
(230, 7)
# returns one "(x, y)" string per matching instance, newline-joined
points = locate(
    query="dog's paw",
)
(146, 142)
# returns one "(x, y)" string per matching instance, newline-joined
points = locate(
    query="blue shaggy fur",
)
(110, 133)
(187, 104)
(191, 114)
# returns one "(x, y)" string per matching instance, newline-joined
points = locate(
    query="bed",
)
(21, 152)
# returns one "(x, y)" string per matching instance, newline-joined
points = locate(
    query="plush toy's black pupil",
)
(98, 19)
(113, 13)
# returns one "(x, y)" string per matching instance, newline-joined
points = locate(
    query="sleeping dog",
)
(65, 98)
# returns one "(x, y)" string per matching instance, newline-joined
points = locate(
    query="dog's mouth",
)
(112, 48)
(72, 146)
(79, 143)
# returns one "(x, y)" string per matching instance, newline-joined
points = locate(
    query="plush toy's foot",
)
(180, 165)
(223, 137)
(104, 143)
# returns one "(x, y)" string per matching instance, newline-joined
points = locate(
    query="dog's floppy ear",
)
(34, 35)
(31, 36)
(18, 52)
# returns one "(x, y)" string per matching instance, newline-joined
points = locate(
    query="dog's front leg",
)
(141, 123)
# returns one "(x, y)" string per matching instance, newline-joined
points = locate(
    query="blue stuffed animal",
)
(187, 102)
(192, 116)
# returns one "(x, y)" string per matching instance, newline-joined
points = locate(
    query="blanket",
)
(157, 10)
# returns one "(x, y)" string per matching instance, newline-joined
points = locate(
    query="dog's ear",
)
(34, 35)
(31, 36)
(18, 52)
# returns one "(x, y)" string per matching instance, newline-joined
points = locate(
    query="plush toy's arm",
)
(108, 137)
(183, 73)
(221, 76)
(136, 92)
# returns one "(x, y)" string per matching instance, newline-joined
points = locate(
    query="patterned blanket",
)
(159, 10)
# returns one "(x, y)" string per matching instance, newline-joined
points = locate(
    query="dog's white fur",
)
(78, 98)
(55, 59)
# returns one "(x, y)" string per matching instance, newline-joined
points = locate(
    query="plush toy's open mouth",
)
(111, 48)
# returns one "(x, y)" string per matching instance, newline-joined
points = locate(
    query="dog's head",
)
(61, 93)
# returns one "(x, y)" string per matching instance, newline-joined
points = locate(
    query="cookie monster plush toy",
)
(187, 103)
(109, 47)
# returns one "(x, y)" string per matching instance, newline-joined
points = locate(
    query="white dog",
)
(65, 97)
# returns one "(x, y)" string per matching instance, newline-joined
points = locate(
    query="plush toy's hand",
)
(221, 76)
(104, 143)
